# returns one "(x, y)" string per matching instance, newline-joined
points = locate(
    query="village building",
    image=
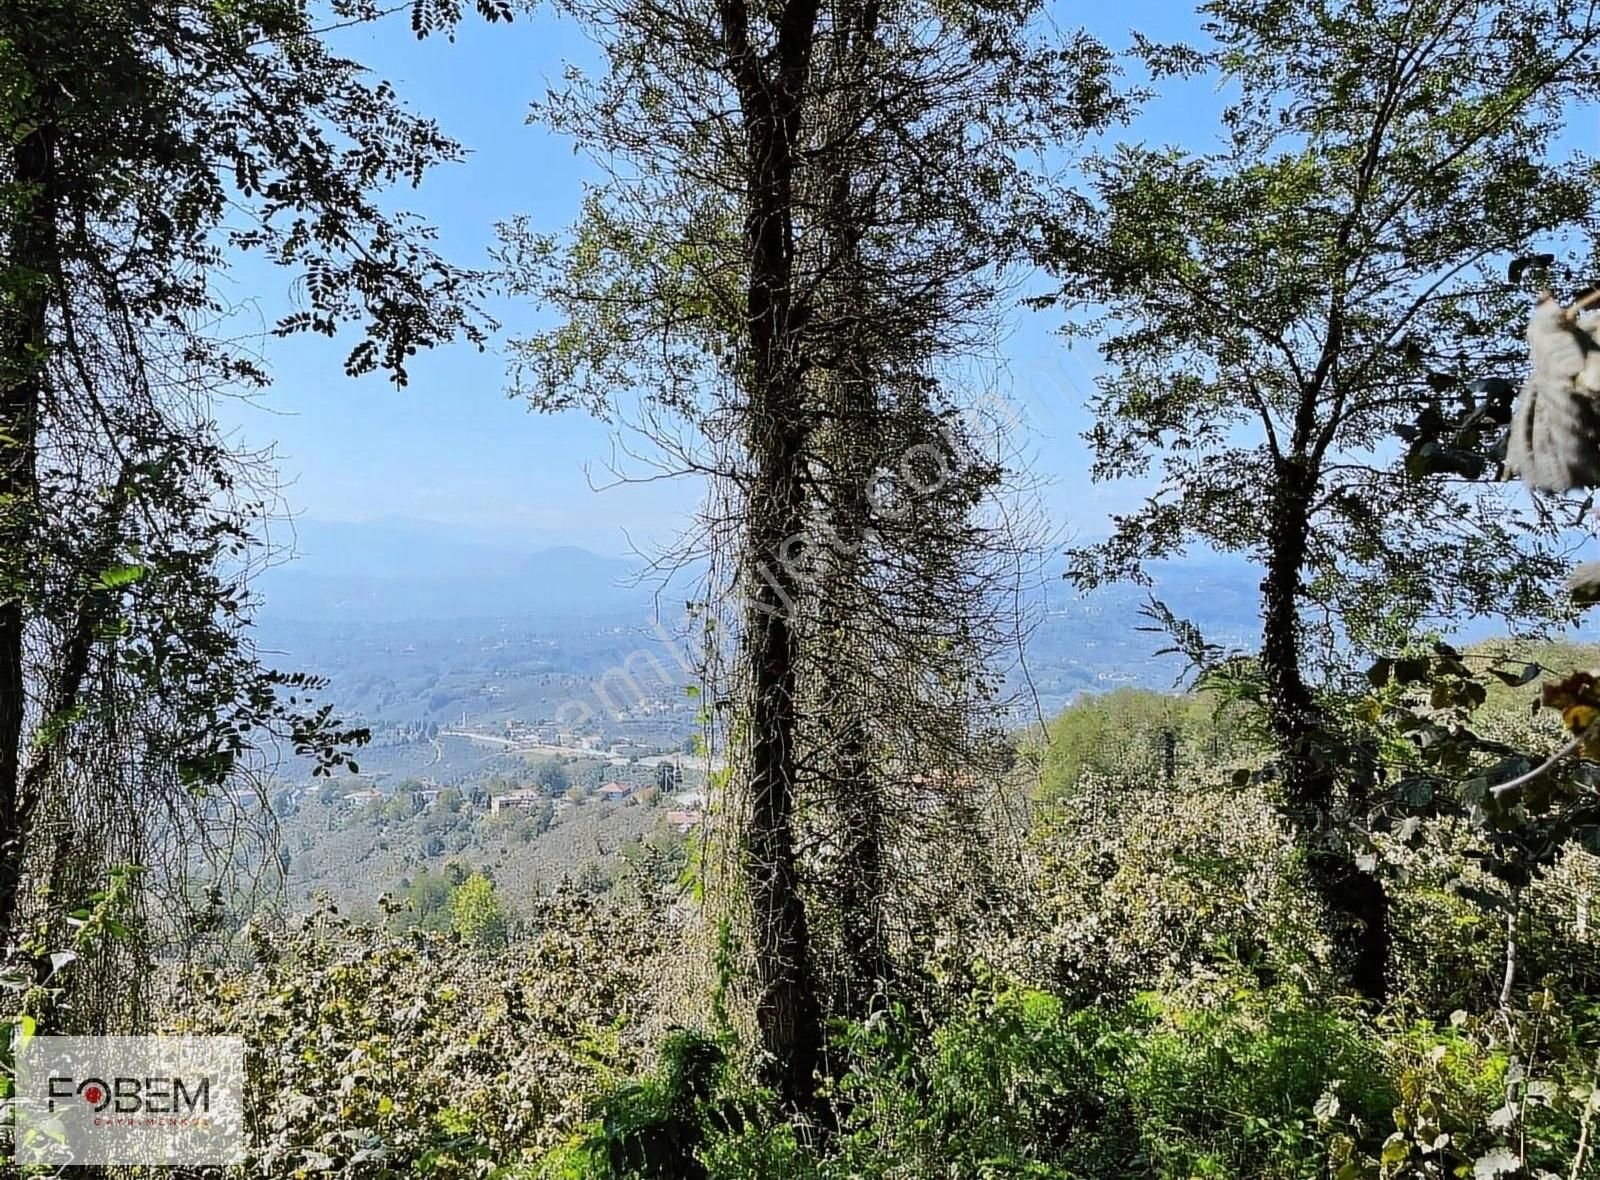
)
(524, 799)
(685, 821)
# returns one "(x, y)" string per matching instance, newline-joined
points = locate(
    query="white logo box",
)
(129, 1100)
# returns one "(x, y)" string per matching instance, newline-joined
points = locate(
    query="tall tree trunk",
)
(856, 878)
(787, 1011)
(770, 89)
(22, 352)
(862, 879)
(850, 394)
(1311, 785)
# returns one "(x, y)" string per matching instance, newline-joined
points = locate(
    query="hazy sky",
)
(452, 447)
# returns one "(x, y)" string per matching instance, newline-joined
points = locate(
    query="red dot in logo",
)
(93, 1095)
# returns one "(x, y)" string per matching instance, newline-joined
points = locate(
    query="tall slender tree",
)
(1277, 312)
(688, 253)
(795, 227)
(146, 146)
(912, 230)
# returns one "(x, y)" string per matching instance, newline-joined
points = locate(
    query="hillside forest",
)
(849, 893)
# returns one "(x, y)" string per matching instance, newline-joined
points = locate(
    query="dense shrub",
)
(1135, 987)
(1130, 889)
(1240, 1084)
(1018, 1084)
(377, 1054)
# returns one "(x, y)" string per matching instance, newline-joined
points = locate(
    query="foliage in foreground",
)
(1218, 1056)
(1148, 992)
(378, 1054)
(1243, 1082)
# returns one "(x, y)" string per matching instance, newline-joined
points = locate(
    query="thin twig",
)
(1508, 983)
(1581, 303)
(1549, 763)
(1588, 1121)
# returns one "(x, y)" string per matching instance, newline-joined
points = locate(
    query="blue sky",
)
(452, 448)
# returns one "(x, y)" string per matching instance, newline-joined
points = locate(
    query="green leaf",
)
(1396, 1150)
(121, 575)
(1411, 669)
(1529, 673)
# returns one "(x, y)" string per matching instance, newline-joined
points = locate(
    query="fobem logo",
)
(130, 1100)
(136, 1095)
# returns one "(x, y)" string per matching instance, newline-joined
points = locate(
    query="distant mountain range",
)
(361, 600)
(414, 618)
(398, 569)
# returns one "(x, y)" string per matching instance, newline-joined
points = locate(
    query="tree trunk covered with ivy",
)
(771, 89)
(23, 333)
(803, 215)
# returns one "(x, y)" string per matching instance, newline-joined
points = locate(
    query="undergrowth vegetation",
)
(1148, 994)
